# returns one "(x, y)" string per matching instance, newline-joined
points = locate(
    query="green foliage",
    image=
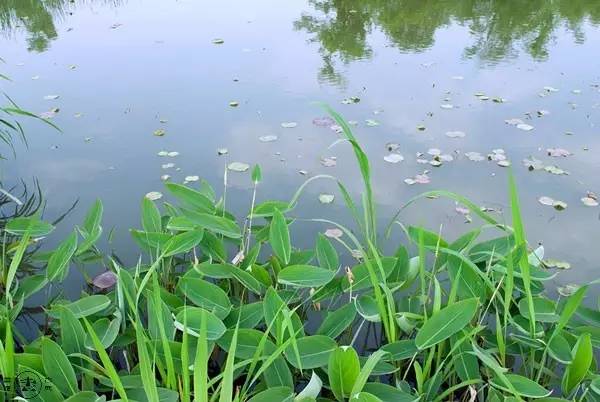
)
(216, 312)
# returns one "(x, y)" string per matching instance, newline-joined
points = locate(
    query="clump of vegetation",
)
(216, 311)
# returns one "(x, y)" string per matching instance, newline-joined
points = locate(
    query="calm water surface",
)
(123, 67)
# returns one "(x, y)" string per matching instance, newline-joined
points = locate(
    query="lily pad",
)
(218, 41)
(167, 165)
(544, 200)
(105, 280)
(532, 163)
(455, 134)
(421, 127)
(558, 152)
(334, 233)
(172, 154)
(434, 151)
(328, 161)
(393, 158)
(323, 121)
(222, 151)
(165, 177)
(514, 122)
(447, 106)
(238, 166)
(289, 124)
(191, 178)
(555, 170)
(550, 89)
(524, 127)
(503, 163)
(350, 100)
(474, 156)
(326, 198)
(542, 112)
(234, 103)
(159, 133)
(154, 195)
(551, 263)
(49, 114)
(589, 202)
(567, 290)
(371, 122)
(162, 153)
(267, 138)
(51, 97)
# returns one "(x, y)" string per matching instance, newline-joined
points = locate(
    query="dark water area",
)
(432, 77)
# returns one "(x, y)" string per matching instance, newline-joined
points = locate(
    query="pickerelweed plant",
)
(215, 310)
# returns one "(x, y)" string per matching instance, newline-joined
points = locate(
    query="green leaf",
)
(583, 355)
(182, 243)
(59, 261)
(256, 174)
(387, 393)
(250, 315)
(58, 368)
(216, 224)
(326, 254)
(279, 237)
(524, 386)
(343, 370)
(361, 274)
(314, 351)
(36, 227)
(191, 198)
(151, 221)
(400, 350)
(88, 305)
(84, 396)
(545, 309)
(93, 218)
(559, 349)
(206, 295)
(214, 326)
(72, 335)
(366, 371)
(337, 321)
(276, 394)
(106, 331)
(305, 276)
(446, 323)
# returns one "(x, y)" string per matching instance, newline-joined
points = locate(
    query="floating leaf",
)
(474, 156)
(393, 158)
(290, 124)
(154, 195)
(371, 122)
(218, 41)
(323, 121)
(447, 106)
(159, 133)
(550, 89)
(558, 152)
(334, 233)
(222, 151)
(524, 127)
(191, 178)
(267, 138)
(238, 166)
(51, 97)
(589, 202)
(328, 161)
(455, 134)
(544, 200)
(514, 122)
(326, 198)
(105, 280)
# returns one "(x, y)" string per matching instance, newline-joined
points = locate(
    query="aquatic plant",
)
(216, 309)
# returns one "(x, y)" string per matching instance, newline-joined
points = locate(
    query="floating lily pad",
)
(116, 25)
(326, 198)
(323, 121)
(555, 170)
(51, 97)
(567, 290)
(392, 146)
(238, 166)
(371, 122)
(49, 114)
(418, 179)
(525, 127)
(165, 177)
(558, 205)
(542, 112)
(558, 152)
(191, 178)
(552, 263)
(222, 151)
(162, 153)
(337, 128)
(514, 122)
(544, 200)
(334, 233)
(303, 172)
(458, 77)
(168, 165)
(290, 124)
(267, 138)
(218, 41)
(435, 163)
(350, 100)
(328, 161)
(434, 151)
(474, 156)
(447, 106)
(393, 158)
(503, 163)
(550, 89)
(421, 127)
(172, 154)
(589, 202)
(154, 195)
(532, 163)
(234, 103)
(455, 134)
(159, 133)
(105, 280)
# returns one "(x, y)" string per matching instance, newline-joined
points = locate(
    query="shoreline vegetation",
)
(215, 309)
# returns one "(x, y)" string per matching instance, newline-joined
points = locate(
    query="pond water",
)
(425, 72)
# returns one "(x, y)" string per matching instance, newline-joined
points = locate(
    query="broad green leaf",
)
(361, 274)
(326, 254)
(523, 385)
(216, 224)
(305, 276)
(182, 243)
(191, 198)
(343, 370)
(151, 221)
(387, 393)
(72, 335)
(446, 323)
(314, 351)
(93, 218)
(559, 349)
(545, 309)
(400, 350)
(337, 321)
(59, 261)
(58, 368)
(583, 355)
(256, 174)
(37, 228)
(106, 330)
(84, 396)
(279, 237)
(367, 308)
(214, 326)
(250, 315)
(276, 394)
(206, 295)
(88, 305)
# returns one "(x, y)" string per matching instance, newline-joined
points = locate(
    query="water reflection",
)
(499, 29)
(37, 18)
